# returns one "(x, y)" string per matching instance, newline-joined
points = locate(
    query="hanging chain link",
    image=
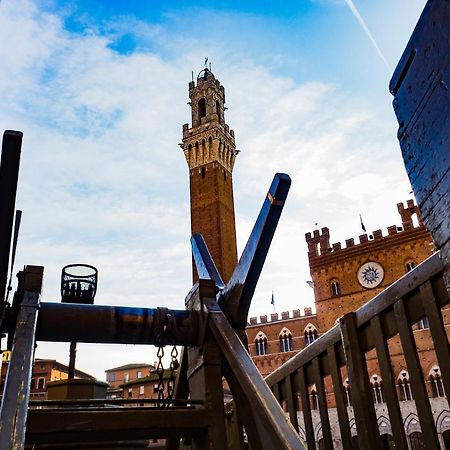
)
(160, 373)
(164, 331)
(174, 364)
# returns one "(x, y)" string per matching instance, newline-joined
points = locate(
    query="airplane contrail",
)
(361, 21)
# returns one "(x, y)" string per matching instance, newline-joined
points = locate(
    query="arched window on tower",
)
(310, 334)
(410, 265)
(404, 386)
(422, 324)
(201, 108)
(286, 344)
(377, 389)
(218, 110)
(335, 288)
(347, 393)
(261, 344)
(313, 398)
(437, 386)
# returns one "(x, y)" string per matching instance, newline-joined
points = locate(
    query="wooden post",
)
(365, 417)
(205, 378)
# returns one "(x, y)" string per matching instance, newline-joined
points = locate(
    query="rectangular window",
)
(130, 393)
(141, 390)
(112, 377)
(139, 374)
(126, 377)
(41, 383)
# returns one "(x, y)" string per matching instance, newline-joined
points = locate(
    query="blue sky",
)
(100, 91)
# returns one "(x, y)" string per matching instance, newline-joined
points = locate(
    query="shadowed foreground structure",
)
(212, 328)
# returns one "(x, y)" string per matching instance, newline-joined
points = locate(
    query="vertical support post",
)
(205, 378)
(365, 417)
(14, 408)
(341, 409)
(9, 175)
(72, 357)
(306, 408)
(415, 371)
(323, 407)
(384, 361)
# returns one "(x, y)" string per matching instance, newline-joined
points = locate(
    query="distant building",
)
(44, 371)
(118, 376)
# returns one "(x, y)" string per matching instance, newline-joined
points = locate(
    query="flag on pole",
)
(362, 223)
(272, 302)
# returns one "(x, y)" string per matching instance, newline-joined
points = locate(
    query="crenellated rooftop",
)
(285, 315)
(319, 241)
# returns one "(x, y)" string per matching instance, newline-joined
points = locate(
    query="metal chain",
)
(174, 364)
(160, 373)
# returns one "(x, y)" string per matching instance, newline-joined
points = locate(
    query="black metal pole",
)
(72, 356)
(74, 322)
(9, 175)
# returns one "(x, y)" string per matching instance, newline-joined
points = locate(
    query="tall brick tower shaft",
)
(210, 152)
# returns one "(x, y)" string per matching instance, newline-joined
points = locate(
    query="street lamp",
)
(78, 285)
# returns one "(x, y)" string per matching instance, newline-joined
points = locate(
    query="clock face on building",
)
(370, 275)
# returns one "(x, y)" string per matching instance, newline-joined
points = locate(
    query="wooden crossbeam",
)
(113, 424)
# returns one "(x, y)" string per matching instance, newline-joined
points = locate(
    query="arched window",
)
(410, 266)
(335, 288)
(310, 334)
(404, 386)
(313, 397)
(286, 344)
(423, 324)
(416, 441)
(261, 344)
(437, 386)
(347, 393)
(201, 108)
(377, 391)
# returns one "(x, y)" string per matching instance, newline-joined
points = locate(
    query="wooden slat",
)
(306, 407)
(365, 417)
(289, 396)
(276, 392)
(346, 435)
(416, 376)
(389, 389)
(323, 407)
(53, 425)
(437, 329)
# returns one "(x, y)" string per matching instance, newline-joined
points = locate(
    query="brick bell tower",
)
(210, 152)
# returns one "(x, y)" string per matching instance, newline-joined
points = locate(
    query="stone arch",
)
(404, 386)
(310, 333)
(412, 424)
(286, 341)
(384, 425)
(261, 344)
(443, 421)
(318, 432)
(352, 426)
(302, 434)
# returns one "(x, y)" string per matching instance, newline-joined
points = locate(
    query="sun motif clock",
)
(370, 274)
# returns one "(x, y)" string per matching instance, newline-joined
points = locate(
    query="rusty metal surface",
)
(65, 322)
(421, 89)
(9, 175)
(13, 412)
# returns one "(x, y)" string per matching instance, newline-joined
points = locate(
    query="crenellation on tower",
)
(320, 249)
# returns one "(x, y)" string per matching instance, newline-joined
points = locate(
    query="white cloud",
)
(103, 180)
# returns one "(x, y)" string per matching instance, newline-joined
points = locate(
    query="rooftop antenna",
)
(192, 73)
(206, 62)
